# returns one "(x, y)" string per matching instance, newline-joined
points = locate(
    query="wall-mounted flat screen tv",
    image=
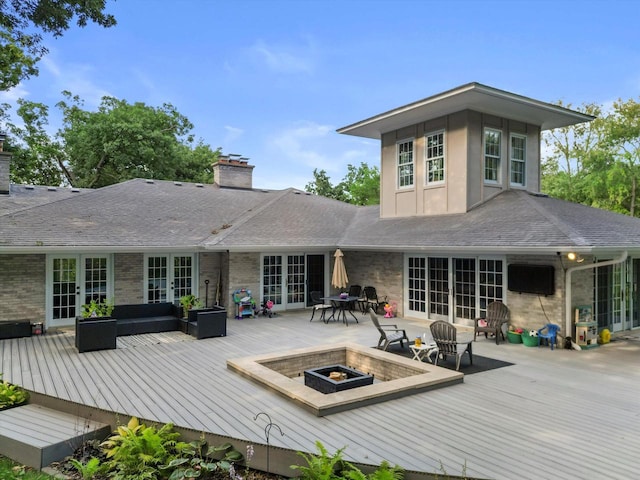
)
(538, 279)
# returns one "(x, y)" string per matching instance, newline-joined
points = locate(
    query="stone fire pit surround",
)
(396, 376)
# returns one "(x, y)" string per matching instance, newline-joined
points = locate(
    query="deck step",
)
(36, 436)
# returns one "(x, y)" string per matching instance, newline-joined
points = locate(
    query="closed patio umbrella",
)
(339, 278)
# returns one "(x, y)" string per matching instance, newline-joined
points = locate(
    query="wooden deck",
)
(554, 414)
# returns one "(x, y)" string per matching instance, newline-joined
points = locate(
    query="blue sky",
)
(273, 80)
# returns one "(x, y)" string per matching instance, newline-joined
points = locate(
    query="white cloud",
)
(76, 78)
(51, 66)
(284, 59)
(232, 135)
(295, 151)
(10, 96)
(299, 142)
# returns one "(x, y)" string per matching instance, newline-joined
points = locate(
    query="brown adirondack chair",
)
(446, 337)
(497, 315)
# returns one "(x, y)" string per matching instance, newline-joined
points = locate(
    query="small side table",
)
(424, 350)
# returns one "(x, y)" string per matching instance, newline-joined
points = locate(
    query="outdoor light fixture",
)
(575, 257)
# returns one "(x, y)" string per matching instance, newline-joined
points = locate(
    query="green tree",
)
(37, 158)
(622, 138)
(117, 142)
(22, 23)
(361, 186)
(597, 163)
(322, 186)
(562, 171)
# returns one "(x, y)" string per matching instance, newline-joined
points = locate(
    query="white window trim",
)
(524, 161)
(444, 159)
(484, 156)
(413, 163)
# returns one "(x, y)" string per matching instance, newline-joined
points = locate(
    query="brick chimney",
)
(233, 171)
(5, 163)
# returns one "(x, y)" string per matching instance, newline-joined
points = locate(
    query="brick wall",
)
(211, 266)
(128, 276)
(22, 287)
(382, 271)
(527, 309)
(244, 272)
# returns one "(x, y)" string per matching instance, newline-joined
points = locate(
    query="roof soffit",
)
(473, 96)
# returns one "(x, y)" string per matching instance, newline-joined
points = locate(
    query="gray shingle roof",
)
(137, 215)
(23, 196)
(513, 219)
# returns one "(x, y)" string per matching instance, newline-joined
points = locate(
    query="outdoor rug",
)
(480, 363)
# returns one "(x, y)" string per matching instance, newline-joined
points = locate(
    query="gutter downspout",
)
(567, 283)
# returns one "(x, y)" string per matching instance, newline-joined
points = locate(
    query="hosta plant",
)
(11, 395)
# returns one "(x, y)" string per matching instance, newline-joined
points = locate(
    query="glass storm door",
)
(169, 277)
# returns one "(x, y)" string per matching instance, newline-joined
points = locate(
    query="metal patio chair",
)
(317, 304)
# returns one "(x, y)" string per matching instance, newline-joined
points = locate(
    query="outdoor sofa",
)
(135, 319)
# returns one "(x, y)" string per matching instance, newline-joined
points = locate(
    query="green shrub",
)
(11, 395)
(137, 451)
(324, 466)
(198, 458)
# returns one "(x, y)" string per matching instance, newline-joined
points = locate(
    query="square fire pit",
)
(319, 379)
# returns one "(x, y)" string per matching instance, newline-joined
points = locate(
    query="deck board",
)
(557, 401)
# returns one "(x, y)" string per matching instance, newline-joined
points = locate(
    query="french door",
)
(74, 280)
(284, 280)
(453, 289)
(169, 277)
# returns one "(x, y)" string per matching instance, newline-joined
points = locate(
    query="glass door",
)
(284, 280)
(64, 298)
(74, 280)
(608, 294)
(439, 288)
(169, 277)
(416, 275)
(296, 276)
(635, 293)
(465, 288)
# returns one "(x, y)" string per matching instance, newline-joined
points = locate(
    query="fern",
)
(322, 466)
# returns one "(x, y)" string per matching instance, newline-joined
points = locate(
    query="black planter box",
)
(15, 329)
(318, 379)
(208, 322)
(96, 333)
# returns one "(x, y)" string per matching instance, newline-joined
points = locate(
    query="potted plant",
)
(188, 302)
(94, 309)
